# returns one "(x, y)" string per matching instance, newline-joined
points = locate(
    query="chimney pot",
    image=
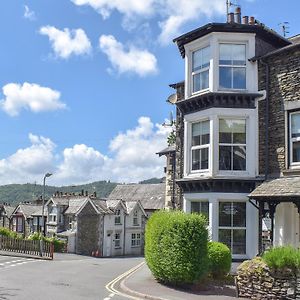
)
(251, 21)
(237, 15)
(245, 20)
(230, 18)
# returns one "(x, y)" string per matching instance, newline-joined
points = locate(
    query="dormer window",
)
(117, 217)
(200, 69)
(232, 66)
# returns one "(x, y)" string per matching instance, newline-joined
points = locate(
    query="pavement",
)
(141, 284)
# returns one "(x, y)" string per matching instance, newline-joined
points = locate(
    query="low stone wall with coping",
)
(255, 280)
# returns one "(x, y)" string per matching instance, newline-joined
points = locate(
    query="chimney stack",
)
(237, 15)
(230, 18)
(251, 21)
(245, 20)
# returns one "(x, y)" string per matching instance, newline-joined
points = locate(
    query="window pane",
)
(204, 158)
(239, 78)
(238, 54)
(225, 54)
(225, 237)
(197, 60)
(239, 214)
(296, 151)
(201, 59)
(204, 80)
(196, 159)
(295, 120)
(225, 157)
(195, 207)
(239, 158)
(225, 214)
(196, 82)
(200, 133)
(239, 241)
(196, 134)
(205, 209)
(225, 77)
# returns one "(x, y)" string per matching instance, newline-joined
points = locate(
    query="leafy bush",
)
(9, 233)
(282, 257)
(219, 257)
(176, 247)
(59, 245)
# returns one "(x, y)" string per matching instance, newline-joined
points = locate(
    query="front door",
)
(108, 244)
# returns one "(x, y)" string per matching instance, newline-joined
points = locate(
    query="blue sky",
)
(83, 83)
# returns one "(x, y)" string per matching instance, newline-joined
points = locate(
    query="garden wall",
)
(256, 281)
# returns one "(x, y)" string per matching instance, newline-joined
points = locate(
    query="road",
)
(67, 277)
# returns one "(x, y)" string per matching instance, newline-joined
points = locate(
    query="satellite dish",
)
(172, 99)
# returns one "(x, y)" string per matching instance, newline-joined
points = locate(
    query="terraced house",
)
(237, 129)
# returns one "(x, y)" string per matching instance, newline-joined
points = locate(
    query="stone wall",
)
(256, 281)
(284, 74)
(89, 234)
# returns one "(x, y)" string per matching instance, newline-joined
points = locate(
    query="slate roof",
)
(151, 196)
(101, 205)
(28, 209)
(284, 187)
(9, 210)
(38, 211)
(60, 200)
(75, 204)
(167, 150)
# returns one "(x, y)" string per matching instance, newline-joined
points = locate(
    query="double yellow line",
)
(111, 285)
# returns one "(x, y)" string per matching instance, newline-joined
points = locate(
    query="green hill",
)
(16, 193)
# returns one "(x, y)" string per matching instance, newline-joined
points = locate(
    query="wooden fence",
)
(26, 247)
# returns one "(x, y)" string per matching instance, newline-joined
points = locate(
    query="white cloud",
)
(28, 164)
(172, 14)
(29, 96)
(29, 14)
(67, 42)
(132, 158)
(134, 60)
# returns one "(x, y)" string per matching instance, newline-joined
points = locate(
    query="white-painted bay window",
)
(295, 139)
(200, 207)
(200, 145)
(232, 144)
(232, 66)
(200, 69)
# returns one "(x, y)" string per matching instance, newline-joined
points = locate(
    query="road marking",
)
(15, 263)
(110, 286)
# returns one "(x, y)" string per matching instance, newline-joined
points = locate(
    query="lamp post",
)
(43, 209)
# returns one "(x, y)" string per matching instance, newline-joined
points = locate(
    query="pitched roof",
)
(28, 209)
(101, 205)
(284, 187)
(151, 196)
(59, 200)
(75, 204)
(8, 210)
(167, 150)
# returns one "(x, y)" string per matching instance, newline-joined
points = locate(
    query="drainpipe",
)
(124, 236)
(173, 179)
(267, 70)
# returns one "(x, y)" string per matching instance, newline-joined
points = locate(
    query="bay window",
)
(295, 138)
(232, 66)
(200, 145)
(200, 69)
(232, 144)
(200, 207)
(232, 226)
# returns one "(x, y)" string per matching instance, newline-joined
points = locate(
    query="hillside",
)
(16, 193)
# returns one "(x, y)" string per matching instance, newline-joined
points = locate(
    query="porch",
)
(279, 200)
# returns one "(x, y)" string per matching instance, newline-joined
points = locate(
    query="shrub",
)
(282, 257)
(59, 245)
(9, 233)
(219, 257)
(176, 247)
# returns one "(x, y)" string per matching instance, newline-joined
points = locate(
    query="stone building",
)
(237, 127)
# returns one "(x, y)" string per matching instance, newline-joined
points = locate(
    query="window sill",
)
(293, 170)
(118, 223)
(135, 246)
(118, 248)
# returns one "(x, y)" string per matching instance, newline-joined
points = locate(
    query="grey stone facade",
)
(284, 86)
(89, 236)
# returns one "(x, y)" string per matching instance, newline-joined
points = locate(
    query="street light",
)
(43, 209)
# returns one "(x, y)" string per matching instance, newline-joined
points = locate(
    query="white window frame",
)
(201, 70)
(233, 66)
(135, 240)
(292, 140)
(135, 218)
(214, 114)
(118, 217)
(232, 228)
(199, 147)
(117, 240)
(232, 144)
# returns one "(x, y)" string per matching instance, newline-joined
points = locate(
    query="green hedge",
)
(220, 258)
(176, 247)
(282, 257)
(9, 233)
(59, 245)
